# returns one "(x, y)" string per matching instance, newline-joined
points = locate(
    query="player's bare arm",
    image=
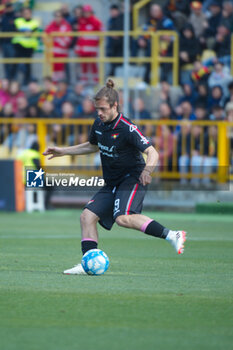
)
(151, 162)
(83, 148)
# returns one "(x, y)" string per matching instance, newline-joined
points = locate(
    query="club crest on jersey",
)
(114, 136)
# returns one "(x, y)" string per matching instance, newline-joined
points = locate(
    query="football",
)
(95, 262)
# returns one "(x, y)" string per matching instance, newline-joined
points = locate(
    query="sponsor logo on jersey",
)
(114, 136)
(107, 151)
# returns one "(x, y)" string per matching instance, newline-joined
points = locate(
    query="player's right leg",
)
(98, 209)
(89, 241)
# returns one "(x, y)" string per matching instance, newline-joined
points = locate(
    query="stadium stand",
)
(60, 92)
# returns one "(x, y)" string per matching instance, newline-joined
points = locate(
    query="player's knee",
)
(88, 218)
(122, 220)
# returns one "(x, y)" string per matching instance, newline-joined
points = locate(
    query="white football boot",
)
(177, 239)
(76, 270)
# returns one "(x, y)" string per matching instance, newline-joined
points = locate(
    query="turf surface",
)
(149, 299)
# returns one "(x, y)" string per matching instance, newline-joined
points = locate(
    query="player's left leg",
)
(127, 213)
(98, 209)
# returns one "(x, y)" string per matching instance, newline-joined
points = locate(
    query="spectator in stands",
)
(189, 94)
(221, 77)
(184, 149)
(7, 24)
(202, 95)
(22, 107)
(6, 129)
(61, 96)
(25, 45)
(88, 46)
(212, 24)
(164, 144)
(156, 22)
(200, 73)
(115, 43)
(65, 11)
(47, 110)
(189, 46)
(164, 93)
(178, 11)
(15, 94)
(48, 91)
(24, 133)
(64, 133)
(4, 93)
(216, 97)
(77, 96)
(33, 111)
(230, 93)
(197, 18)
(227, 15)
(139, 112)
(165, 112)
(3, 6)
(210, 159)
(229, 111)
(186, 111)
(88, 112)
(166, 50)
(61, 44)
(189, 151)
(217, 113)
(77, 15)
(69, 131)
(222, 45)
(200, 113)
(33, 93)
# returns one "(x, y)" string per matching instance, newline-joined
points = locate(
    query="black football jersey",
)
(120, 143)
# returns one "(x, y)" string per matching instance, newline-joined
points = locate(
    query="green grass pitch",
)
(150, 298)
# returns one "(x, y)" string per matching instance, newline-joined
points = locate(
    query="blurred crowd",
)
(205, 92)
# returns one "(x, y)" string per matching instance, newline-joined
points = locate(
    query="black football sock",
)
(153, 228)
(88, 244)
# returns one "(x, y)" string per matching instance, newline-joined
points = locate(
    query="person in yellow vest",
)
(30, 158)
(25, 45)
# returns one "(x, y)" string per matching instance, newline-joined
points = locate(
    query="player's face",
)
(105, 112)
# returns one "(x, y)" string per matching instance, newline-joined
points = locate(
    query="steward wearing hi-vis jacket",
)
(25, 45)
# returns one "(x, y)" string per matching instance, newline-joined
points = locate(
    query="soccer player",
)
(125, 172)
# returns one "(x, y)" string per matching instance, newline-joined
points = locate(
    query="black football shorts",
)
(110, 202)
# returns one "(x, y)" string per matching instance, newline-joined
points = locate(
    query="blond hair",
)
(109, 93)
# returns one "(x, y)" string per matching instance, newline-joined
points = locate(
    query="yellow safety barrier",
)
(155, 59)
(136, 9)
(73, 131)
(48, 60)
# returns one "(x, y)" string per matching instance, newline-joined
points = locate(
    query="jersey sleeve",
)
(92, 135)
(137, 139)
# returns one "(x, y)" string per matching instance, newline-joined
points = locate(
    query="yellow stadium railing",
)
(47, 59)
(157, 130)
(136, 9)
